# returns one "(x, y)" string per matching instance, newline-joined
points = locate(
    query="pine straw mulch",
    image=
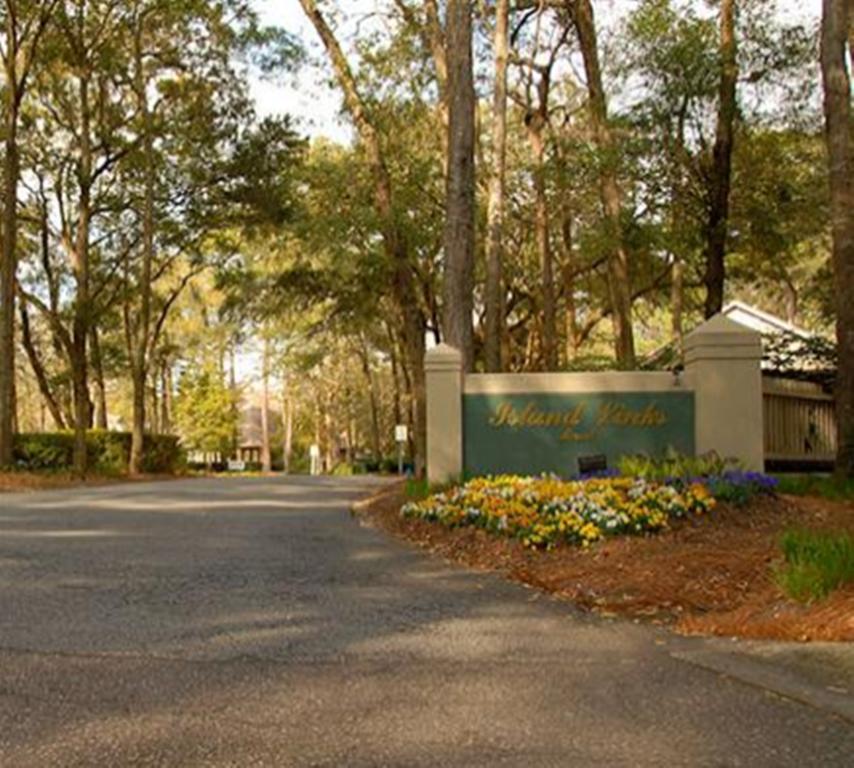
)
(705, 576)
(17, 482)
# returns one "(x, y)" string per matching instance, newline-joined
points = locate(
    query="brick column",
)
(443, 366)
(722, 365)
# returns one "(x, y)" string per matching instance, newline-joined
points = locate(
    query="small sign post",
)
(401, 435)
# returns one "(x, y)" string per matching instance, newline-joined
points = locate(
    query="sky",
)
(308, 96)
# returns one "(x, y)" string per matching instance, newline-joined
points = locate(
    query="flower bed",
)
(542, 512)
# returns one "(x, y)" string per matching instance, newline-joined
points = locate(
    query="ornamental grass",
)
(544, 511)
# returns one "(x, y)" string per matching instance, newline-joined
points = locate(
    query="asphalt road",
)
(252, 622)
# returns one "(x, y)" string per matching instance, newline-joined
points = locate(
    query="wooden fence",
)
(800, 422)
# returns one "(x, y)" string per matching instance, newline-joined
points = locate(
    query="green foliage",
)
(725, 478)
(43, 451)
(108, 452)
(675, 465)
(817, 485)
(206, 412)
(816, 563)
(162, 454)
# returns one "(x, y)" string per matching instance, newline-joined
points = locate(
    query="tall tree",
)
(24, 25)
(140, 344)
(619, 277)
(537, 86)
(494, 290)
(720, 170)
(395, 245)
(837, 18)
(459, 202)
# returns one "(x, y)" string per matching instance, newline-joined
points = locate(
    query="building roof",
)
(763, 322)
(788, 351)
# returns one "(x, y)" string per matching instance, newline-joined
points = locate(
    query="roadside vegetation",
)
(614, 178)
(699, 544)
(644, 495)
(816, 563)
(827, 487)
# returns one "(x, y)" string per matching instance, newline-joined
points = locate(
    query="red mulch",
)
(709, 575)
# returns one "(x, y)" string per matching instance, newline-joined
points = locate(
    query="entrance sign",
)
(236, 465)
(530, 423)
(529, 434)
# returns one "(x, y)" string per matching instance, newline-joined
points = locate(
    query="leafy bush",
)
(816, 562)
(725, 478)
(43, 451)
(544, 511)
(162, 454)
(108, 452)
(675, 466)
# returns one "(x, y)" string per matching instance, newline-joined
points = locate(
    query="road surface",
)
(244, 622)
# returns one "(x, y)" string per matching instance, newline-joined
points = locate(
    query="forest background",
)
(553, 185)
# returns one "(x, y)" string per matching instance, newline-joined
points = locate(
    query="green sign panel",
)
(536, 433)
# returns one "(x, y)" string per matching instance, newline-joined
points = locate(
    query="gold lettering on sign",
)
(608, 414)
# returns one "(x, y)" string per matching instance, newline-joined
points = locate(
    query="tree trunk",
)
(100, 384)
(266, 462)
(80, 266)
(721, 171)
(9, 261)
(38, 369)
(140, 360)
(570, 310)
(404, 288)
(288, 429)
(619, 278)
(235, 400)
(839, 134)
(373, 399)
(677, 295)
(396, 408)
(536, 128)
(166, 396)
(153, 417)
(494, 290)
(329, 438)
(459, 203)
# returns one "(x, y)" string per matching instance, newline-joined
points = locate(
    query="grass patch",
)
(816, 563)
(817, 485)
(418, 489)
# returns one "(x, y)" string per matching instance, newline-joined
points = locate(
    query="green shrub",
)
(725, 478)
(816, 562)
(162, 454)
(108, 453)
(43, 451)
(676, 466)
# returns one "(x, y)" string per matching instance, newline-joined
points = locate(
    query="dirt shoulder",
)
(708, 576)
(18, 482)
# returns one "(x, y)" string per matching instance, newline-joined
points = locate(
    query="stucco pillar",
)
(723, 366)
(444, 371)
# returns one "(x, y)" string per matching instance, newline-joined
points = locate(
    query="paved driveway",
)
(252, 622)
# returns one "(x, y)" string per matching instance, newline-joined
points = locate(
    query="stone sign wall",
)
(534, 432)
(481, 424)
